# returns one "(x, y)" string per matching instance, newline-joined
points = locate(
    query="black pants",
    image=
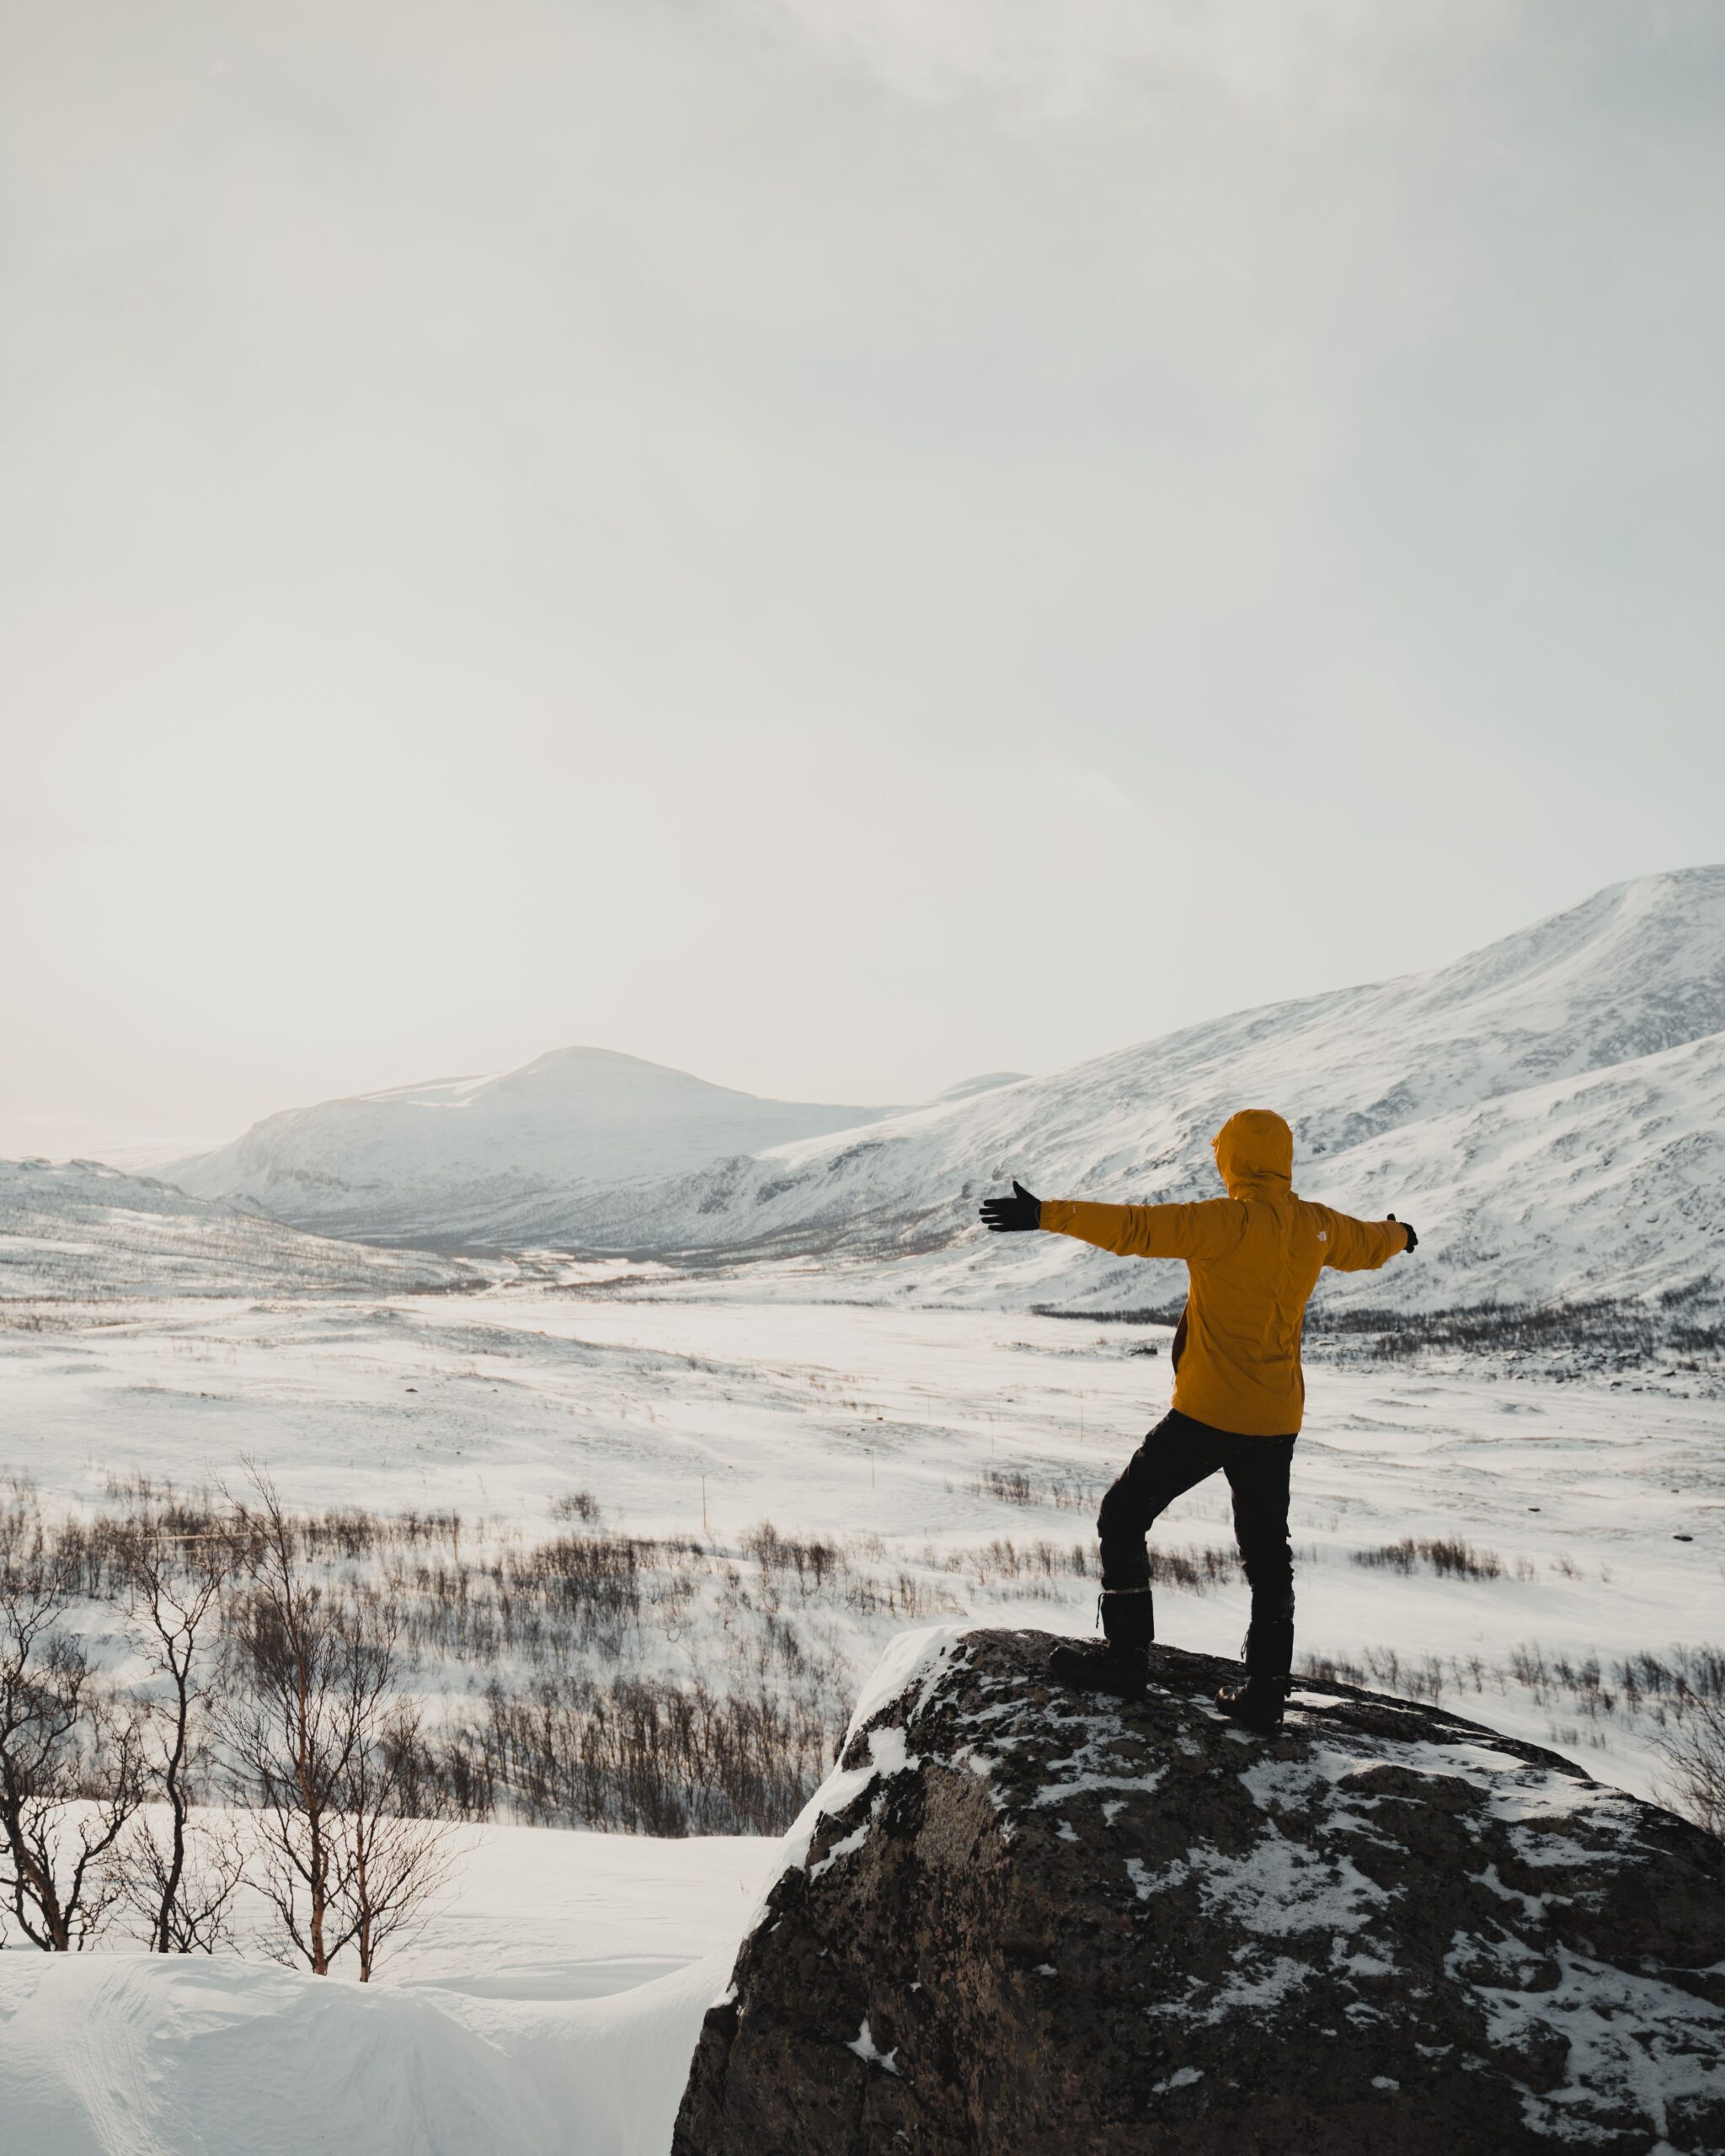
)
(1178, 1453)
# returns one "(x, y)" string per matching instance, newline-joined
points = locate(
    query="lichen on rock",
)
(1026, 1922)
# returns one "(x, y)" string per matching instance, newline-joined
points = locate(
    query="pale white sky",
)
(833, 543)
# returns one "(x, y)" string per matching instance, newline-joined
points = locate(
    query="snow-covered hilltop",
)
(495, 1160)
(1550, 1111)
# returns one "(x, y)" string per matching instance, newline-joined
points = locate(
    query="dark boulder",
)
(1023, 1922)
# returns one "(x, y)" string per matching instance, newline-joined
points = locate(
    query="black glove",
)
(1412, 1239)
(1011, 1216)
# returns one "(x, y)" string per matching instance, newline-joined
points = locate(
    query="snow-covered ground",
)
(74, 1232)
(952, 1456)
(919, 1440)
(549, 2009)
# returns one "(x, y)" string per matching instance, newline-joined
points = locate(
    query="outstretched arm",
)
(1363, 1245)
(1206, 1230)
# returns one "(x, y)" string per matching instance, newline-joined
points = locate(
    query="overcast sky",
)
(833, 543)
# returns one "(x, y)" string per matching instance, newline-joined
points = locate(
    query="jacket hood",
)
(1254, 1150)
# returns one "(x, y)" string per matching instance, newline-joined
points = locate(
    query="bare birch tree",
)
(397, 1864)
(71, 1771)
(289, 1735)
(323, 1744)
(180, 1874)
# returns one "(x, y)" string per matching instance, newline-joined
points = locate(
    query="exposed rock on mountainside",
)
(493, 1161)
(1017, 1920)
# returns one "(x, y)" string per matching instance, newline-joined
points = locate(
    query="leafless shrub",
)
(1004, 1560)
(818, 1564)
(1194, 1567)
(1383, 1668)
(647, 1756)
(1693, 1746)
(1681, 1674)
(1164, 1314)
(1676, 1701)
(1584, 1333)
(1013, 1485)
(1450, 1558)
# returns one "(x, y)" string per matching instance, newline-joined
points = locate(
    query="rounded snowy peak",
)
(596, 1075)
(486, 1155)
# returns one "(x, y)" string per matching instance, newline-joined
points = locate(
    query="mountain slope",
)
(1547, 1110)
(495, 1160)
(77, 1230)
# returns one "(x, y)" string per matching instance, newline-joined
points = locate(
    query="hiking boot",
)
(1258, 1705)
(1095, 1665)
(1119, 1662)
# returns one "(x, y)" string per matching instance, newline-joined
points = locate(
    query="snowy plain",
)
(930, 1435)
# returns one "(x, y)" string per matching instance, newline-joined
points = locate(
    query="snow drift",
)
(550, 2012)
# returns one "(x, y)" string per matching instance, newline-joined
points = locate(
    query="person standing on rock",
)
(1253, 1259)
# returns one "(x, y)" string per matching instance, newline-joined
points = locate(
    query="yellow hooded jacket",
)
(1253, 1259)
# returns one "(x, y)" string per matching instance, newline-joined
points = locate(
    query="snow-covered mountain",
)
(79, 1231)
(497, 1160)
(1550, 1111)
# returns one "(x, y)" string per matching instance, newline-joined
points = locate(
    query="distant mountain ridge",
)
(493, 1160)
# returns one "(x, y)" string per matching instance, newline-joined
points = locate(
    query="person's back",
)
(1253, 1259)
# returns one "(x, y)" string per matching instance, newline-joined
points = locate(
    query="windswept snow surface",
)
(75, 1232)
(551, 2010)
(1550, 1112)
(989, 1081)
(495, 1160)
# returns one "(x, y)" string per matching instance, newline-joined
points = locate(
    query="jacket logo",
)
(1323, 1235)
